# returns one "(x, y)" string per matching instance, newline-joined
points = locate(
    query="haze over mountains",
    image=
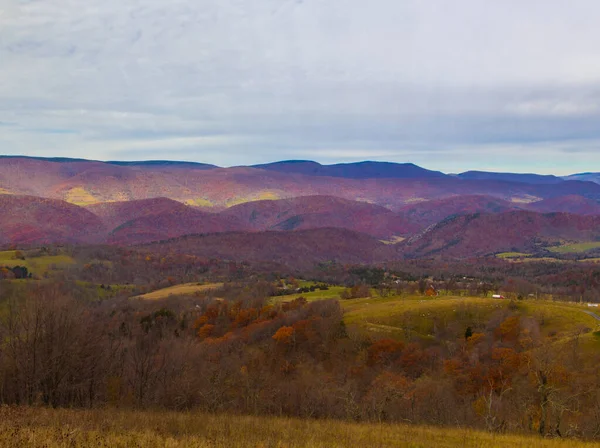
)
(279, 204)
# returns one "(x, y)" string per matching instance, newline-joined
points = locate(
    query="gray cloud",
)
(450, 85)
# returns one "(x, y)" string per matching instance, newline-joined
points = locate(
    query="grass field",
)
(403, 317)
(265, 195)
(177, 290)
(52, 428)
(80, 196)
(332, 293)
(532, 259)
(575, 248)
(37, 265)
(512, 255)
(393, 240)
(198, 202)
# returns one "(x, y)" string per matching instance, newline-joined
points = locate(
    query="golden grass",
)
(268, 196)
(512, 255)
(415, 200)
(393, 240)
(264, 195)
(7, 255)
(183, 289)
(80, 196)
(524, 199)
(198, 202)
(41, 427)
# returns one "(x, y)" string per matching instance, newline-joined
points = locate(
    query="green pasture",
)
(575, 247)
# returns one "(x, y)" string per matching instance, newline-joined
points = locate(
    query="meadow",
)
(417, 316)
(179, 290)
(508, 255)
(575, 247)
(39, 265)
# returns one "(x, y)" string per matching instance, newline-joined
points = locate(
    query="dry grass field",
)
(179, 290)
(50, 428)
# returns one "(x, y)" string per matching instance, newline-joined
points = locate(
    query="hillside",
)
(114, 214)
(171, 224)
(589, 177)
(33, 220)
(424, 214)
(311, 212)
(577, 205)
(297, 249)
(483, 234)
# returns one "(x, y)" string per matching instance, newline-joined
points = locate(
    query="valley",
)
(337, 297)
(299, 223)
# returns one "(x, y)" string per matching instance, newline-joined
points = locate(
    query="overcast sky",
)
(511, 85)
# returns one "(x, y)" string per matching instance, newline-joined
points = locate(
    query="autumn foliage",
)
(242, 352)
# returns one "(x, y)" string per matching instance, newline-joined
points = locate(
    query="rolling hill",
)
(568, 204)
(309, 212)
(172, 223)
(114, 214)
(29, 220)
(424, 214)
(141, 202)
(483, 234)
(298, 249)
(589, 177)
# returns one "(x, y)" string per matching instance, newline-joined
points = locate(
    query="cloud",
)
(234, 82)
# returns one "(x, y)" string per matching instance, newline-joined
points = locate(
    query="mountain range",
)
(394, 210)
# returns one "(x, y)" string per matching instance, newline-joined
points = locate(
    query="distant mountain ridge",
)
(141, 163)
(587, 177)
(88, 182)
(528, 178)
(357, 170)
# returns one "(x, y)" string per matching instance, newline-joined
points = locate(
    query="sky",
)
(510, 85)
